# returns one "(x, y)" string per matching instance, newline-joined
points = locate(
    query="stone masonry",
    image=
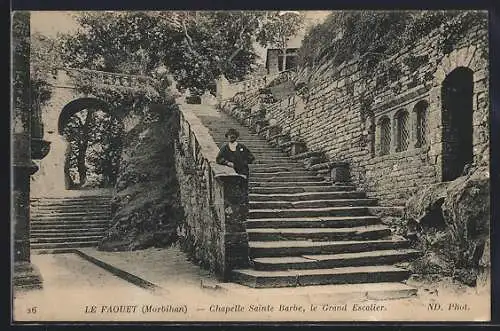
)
(340, 114)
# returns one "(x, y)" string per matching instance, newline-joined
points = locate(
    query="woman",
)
(237, 156)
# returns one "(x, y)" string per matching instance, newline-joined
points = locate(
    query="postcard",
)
(256, 166)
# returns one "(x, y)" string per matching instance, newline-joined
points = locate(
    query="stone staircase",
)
(60, 224)
(304, 230)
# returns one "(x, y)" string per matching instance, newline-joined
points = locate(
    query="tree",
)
(44, 57)
(278, 28)
(195, 47)
(95, 145)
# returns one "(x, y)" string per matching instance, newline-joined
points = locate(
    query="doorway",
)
(456, 96)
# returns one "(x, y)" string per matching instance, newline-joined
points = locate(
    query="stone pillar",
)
(413, 126)
(272, 131)
(298, 147)
(378, 138)
(235, 250)
(50, 179)
(339, 173)
(394, 135)
(25, 274)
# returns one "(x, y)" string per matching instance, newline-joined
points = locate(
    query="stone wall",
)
(340, 110)
(212, 232)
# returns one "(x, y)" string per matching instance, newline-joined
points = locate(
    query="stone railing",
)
(213, 232)
(226, 90)
(66, 76)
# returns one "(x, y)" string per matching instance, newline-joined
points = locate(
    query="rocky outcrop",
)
(450, 221)
(146, 208)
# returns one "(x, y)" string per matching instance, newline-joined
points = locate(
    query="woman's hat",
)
(232, 132)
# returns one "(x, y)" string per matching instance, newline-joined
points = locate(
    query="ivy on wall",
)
(375, 37)
(121, 99)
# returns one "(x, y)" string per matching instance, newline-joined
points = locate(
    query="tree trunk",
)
(82, 168)
(284, 59)
(67, 174)
(82, 152)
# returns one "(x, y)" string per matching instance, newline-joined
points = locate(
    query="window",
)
(385, 135)
(402, 132)
(421, 125)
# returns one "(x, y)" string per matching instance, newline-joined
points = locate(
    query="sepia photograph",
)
(250, 166)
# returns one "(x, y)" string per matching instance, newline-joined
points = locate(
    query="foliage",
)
(373, 37)
(454, 30)
(146, 207)
(43, 58)
(95, 141)
(195, 47)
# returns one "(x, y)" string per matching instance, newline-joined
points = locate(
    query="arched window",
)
(402, 132)
(385, 135)
(421, 123)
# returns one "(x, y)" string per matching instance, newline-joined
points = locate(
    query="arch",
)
(77, 105)
(69, 110)
(402, 133)
(384, 145)
(470, 58)
(420, 110)
(456, 121)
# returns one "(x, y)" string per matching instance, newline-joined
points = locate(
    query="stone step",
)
(294, 278)
(63, 201)
(276, 169)
(70, 209)
(263, 183)
(71, 224)
(312, 222)
(337, 293)
(66, 232)
(301, 189)
(306, 196)
(275, 158)
(59, 215)
(320, 261)
(308, 212)
(264, 150)
(75, 244)
(278, 162)
(246, 140)
(258, 146)
(219, 130)
(319, 234)
(268, 154)
(287, 178)
(69, 205)
(312, 203)
(299, 248)
(309, 181)
(65, 239)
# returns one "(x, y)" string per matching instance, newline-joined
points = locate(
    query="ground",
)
(73, 285)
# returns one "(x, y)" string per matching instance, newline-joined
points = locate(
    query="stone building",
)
(424, 127)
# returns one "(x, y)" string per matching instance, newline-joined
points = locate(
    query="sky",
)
(51, 23)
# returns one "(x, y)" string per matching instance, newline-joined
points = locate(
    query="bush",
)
(146, 208)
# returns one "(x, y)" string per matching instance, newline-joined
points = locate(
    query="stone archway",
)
(69, 110)
(51, 178)
(472, 62)
(456, 121)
